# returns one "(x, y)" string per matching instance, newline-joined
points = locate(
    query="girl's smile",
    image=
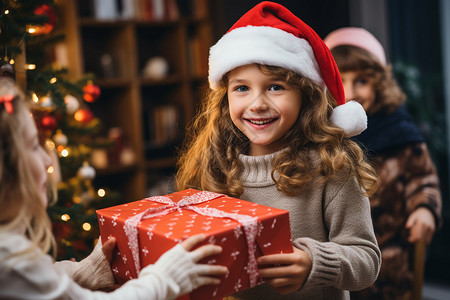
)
(262, 106)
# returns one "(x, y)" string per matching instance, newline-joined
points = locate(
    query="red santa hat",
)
(270, 34)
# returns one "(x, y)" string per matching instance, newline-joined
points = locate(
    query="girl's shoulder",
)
(16, 248)
(13, 241)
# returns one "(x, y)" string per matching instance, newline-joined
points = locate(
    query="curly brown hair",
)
(209, 158)
(388, 95)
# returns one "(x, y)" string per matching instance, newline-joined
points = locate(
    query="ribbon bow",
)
(250, 224)
(7, 102)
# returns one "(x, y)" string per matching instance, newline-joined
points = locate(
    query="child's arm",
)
(348, 260)
(423, 196)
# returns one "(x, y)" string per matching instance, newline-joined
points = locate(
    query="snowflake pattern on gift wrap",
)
(101, 219)
(267, 245)
(150, 231)
(212, 240)
(145, 251)
(114, 219)
(235, 254)
(115, 270)
(253, 211)
(273, 223)
(124, 258)
(238, 285)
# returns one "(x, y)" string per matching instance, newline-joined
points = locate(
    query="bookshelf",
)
(150, 62)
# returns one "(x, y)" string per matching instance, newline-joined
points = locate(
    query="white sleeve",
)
(174, 274)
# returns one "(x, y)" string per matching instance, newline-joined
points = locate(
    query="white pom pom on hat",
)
(270, 34)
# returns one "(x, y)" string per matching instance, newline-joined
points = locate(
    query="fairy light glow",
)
(49, 144)
(31, 30)
(65, 153)
(50, 170)
(34, 98)
(65, 217)
(101, 193)
(31, 66)
(87, 226)
(12, 61)
(53, 80)
(6, 12)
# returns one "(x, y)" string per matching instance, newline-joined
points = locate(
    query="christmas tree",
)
(68, 129)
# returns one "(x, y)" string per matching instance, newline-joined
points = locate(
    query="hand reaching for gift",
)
(290, 272)
(204, 271)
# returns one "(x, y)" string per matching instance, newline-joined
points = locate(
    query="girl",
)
(267, 133)
(407, 206)
(27, 272)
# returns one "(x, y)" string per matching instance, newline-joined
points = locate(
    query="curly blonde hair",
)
(21, 206)
(209, 157)
(388, 94)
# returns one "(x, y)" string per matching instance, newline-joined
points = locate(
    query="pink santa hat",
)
(358, 37)
(270, 34)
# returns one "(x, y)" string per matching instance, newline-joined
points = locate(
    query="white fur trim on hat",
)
(351, 117)
(263, 45)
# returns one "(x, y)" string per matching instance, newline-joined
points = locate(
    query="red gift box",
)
(145, 229)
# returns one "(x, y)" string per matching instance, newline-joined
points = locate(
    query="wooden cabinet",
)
(151, 111)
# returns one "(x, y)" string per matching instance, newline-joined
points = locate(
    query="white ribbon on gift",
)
(250, 224)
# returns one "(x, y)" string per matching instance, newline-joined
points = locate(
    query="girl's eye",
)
(276, 87)
(241, 88)
(362, 81)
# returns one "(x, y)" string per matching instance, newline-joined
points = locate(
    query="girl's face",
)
(262, 106)
(37, 158)
(358, 86)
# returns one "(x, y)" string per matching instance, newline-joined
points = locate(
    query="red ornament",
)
(49, 123)
(91, 92)
(47, 27)
(83, 115)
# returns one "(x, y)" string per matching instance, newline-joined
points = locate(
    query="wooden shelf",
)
(152, 113)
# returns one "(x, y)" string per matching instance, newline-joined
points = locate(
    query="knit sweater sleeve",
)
(36, 276)
(93, 272)
(422, 182)
(350, 259)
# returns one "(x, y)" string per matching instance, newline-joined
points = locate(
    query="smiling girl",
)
(274, 130)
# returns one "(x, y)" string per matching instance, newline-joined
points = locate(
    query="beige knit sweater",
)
(331, 222)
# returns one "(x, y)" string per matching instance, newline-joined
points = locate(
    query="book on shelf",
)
(164, 125)
(197, 56)
(157, 10)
